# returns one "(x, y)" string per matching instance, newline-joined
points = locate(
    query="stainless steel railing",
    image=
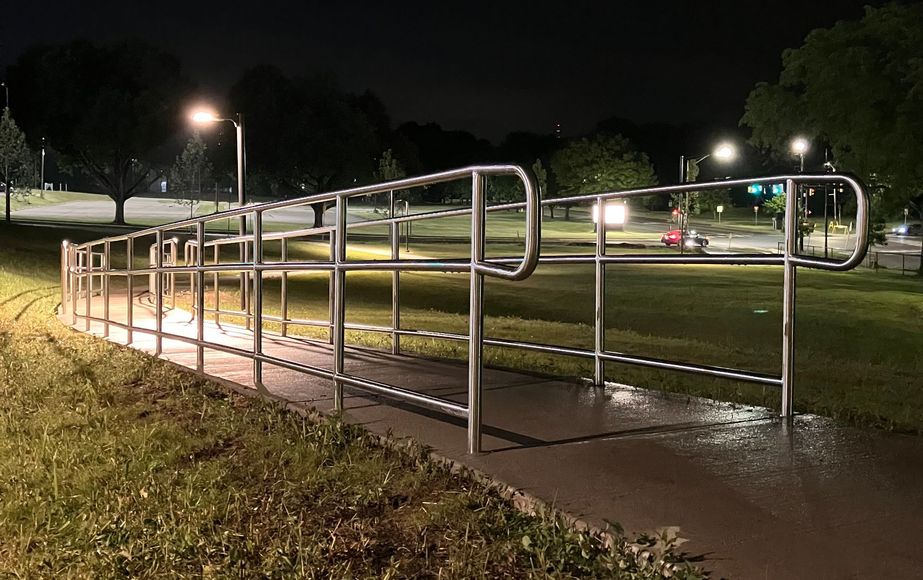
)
(75, 269)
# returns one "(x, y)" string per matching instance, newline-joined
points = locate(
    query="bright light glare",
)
(615, 213)
(725, 152)
(799, 145)
(204, 117)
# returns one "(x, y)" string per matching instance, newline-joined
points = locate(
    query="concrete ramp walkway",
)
(756, 498)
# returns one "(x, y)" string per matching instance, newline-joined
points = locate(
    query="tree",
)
(305, 134)
(389, 169)
(105, 108)
(855, 86)
(710, 199)
(599, 164)
(190, 170)
(15, 157)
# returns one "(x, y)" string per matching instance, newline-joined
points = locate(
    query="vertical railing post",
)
(217, 285)
(88, 310)
(158, 292)
(339, 302)
(395, 229)
(130, 288)
(788, 300)
(105, 280)
(476, 315)
(599, 375)
(74, 282)
(284, 297)
(330, 289)
(64, 278)
(199, 295)
(174, 256)
(187, 261)
(256, 300)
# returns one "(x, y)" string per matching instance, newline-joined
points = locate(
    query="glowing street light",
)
(724, 152)
(799, 147)
(202, 117)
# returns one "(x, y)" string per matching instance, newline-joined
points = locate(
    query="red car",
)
(693, 238)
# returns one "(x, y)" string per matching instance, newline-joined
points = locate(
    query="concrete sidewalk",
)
(756, 498)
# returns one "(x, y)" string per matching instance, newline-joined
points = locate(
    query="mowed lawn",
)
(859, 334)
(114, 464)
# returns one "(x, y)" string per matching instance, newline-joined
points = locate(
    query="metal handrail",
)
(75, 269)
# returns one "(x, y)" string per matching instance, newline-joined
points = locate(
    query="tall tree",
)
(14, 157)
(305, 134)
(598, 164)
(856, 86)
(105, 107)
(189, 172)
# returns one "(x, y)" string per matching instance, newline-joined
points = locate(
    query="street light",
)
(6, 89)
(202, 117)
(724, 152)
(799, 147)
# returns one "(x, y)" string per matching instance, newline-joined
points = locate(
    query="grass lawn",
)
(115, 464)
(858, 334)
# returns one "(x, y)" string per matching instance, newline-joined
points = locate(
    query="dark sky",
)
(487, 67)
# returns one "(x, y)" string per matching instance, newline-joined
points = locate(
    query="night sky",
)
(485, 67)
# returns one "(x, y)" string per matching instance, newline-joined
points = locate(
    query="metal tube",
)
(395, 234)
(330, 286)
(217, 282)
(788, 300)
(476, 315)
(257, 301)
(158, 292)
(599, 376)
(284, 296)
(130, 290)
(105, 280)
(64, 257)
(75, 279)
(89, 288)
(339, 305)
(174, 251)
(200, 296)
(241, 202)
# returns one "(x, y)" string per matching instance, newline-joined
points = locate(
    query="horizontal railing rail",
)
(79, 272)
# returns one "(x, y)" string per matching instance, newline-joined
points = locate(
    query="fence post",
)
(476, 315)
(256, 301)
(331, 292)
(339, 302)
(788, 301)
(217, 285)
(89, 288)
(105, 280)
(74, 282)
(284, 295)
(600, 339)
(158, 292)
(64, 277)
(395, 229)
(200, 295)
(130, 288)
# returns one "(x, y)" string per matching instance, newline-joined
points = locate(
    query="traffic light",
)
(755, 189)
(778, 189)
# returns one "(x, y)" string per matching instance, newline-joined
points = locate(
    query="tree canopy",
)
(104, 107)
(15, 157)
(305, 134)
(858, 87)
(600, 163)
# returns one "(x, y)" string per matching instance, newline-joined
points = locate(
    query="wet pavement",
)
(756, 497)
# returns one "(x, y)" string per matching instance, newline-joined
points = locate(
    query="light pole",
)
(6, 89)
(202, 117)
(42, 178)
(723, 152)
(799, 147)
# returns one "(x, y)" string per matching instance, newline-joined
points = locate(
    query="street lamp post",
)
(201, 117)
(799, 147)
(6, 89)
(723, 152)
(42, 178)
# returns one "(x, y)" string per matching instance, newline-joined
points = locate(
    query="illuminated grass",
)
(114, 464)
